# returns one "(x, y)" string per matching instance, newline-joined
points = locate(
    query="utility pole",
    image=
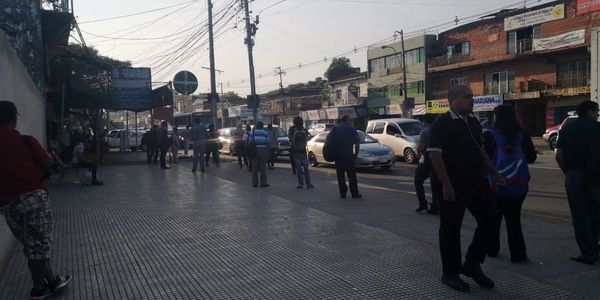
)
(213, 84)
(405, 89)
(280, 72)
(249, 41)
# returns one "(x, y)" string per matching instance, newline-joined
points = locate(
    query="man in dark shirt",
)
(423, 172)
(164, 143)
(577, 156)
(459, 163)
(346, 140)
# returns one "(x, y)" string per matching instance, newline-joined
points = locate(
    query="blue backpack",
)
(511, 163)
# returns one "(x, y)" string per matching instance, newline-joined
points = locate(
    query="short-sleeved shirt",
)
(579, 140)
(19, 174)
(261, 137)
(460, 143)
(77, 151)
(345, 138)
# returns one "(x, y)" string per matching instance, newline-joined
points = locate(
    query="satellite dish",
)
(185, 82)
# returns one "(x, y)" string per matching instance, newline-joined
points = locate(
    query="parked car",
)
(551, 134)
(226, 136)
(135, 139)
(283, 142)
(372, 154)
(319, 128)
(402, 135)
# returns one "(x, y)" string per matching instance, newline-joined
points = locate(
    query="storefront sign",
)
(535, 17)
(519, 96)
(313, 115)
(486, 103)
(332, 113)
(550, 117)
(347, 111)
(419, 110)
(566, 101)
(568, 91)
(131, 88)
(586, 6)
(571, 38)
(394, 109)
(437, 106)
(322, 114)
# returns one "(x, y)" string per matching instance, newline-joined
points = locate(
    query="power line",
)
(136, 14)
(408, 3)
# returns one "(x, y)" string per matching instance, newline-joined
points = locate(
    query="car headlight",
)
(365, 154)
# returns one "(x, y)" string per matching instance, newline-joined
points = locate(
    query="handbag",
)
(329, 150)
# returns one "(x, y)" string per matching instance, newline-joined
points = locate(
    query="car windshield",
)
(365, 138)
(411, 128)
(279, 132)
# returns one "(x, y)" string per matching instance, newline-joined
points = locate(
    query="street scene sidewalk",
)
(170, 234)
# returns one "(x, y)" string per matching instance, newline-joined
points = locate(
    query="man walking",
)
(198, 136)
(299, 138)
(24, 201)
(577, 155)
(423, 171)
(260, 139)
(460, 163)
(163, 143)
(346, 139)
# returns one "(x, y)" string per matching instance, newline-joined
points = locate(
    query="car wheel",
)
(313, 159)
(410, 156)
(552, 142)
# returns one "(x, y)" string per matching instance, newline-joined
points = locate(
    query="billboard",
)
(131, 89)
(538, 16)
(437, 106)
(486, 103)
(586, 6)
(571, 38)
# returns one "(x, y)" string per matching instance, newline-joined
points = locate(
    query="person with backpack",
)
(299, 139)
(24, 201)
(257, 147)
(511, 150)
(578, 156)
(198, 135)
(212, 145)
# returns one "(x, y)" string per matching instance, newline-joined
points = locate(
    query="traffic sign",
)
(185, 82)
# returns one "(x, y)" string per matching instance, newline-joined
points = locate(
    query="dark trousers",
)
(584, 203)
(163, 155)
(259, 165)
(152, 153)
(345, 167)
(272, 157)
(214, 150)
(422, 172)
(293, 162)
(88, 165)
(510, 210)
(475, 197)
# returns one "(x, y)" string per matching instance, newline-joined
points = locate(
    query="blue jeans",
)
(584, 202)
(301, 165)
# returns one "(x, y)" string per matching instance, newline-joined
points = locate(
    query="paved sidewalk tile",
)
(153, 234)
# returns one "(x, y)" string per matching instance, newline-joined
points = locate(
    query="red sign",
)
(586, 6)
(550, 117)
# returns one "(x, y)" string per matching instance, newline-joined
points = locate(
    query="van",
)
(402, 135)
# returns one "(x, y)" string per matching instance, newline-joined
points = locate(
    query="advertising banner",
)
(586, 6)
(332, 113)
(571, 38)
(131, 89)
(419, 110)
(313, 115)
(394, 109)
(486, 103)
(347, 111)
(437, 106)
(539, 16)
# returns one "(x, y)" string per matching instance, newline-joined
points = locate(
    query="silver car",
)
(372, 154)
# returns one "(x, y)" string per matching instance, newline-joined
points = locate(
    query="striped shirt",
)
(261, 138)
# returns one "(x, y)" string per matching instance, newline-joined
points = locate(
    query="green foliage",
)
(338, 68)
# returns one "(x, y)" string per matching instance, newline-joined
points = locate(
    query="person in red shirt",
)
(24, 201)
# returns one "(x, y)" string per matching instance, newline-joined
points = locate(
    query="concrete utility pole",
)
(404, 113)
(249, 41)
(280, 72)
(213, 83)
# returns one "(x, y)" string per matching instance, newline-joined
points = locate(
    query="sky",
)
(301, 36)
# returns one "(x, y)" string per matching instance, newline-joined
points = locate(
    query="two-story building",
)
(536, 59)
(347, 96)
(387, 91)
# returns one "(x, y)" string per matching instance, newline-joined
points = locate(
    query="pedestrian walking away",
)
(198, 135)
(238, 146)
(347, 146)
(299, 139)
(175, 144)
(460, 164)
(152, 144)
(272, 146)
(291, 155)
(578, 157)
(163, 143)
(247, 158)
(511, 150)
(257, 144)
(25, 204)
(186, 140)
(423, 172)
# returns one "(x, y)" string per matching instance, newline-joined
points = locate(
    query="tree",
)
(233, 98)
(88, 65)
(338, 68)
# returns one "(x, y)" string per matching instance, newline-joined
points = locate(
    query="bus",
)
(188, 119)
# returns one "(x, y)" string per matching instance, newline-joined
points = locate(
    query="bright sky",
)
(291, 33)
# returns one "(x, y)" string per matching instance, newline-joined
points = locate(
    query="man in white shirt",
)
(78, 161)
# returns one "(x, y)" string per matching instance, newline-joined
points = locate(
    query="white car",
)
(372, 154)
(135, 139)
(319, 128)
(402, 135)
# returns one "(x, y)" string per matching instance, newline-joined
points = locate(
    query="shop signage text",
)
(535, 17)
(486, 103)
(571, 38)
(437, 106)
(586, 6)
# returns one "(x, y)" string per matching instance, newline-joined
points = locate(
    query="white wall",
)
(17, 86)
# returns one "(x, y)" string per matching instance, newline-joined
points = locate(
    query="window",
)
(391, 129)
(378, 128)
(416, 88)
(321, 138)
(415, 56)
(499, 83)
(411, 128)
(521, 41)
(458, 49)
(376, 64)
(573, 74)
(459, 81)
(370, 128)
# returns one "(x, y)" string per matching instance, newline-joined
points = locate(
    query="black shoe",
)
(97, 182)
(193, 170)
(300, 187)
(43, 294)
(60, 283)
(474, 271)
(519, 259)
(165, 168)
(434, 212)
(455, 283)
(343, 196)
(264, 185)
(255, 185)
(203, 170)
(356, 196)
(310, 186)
(493, 253)
(584, 259)
(421, 209)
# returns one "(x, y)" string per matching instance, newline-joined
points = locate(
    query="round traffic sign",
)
(185, 82)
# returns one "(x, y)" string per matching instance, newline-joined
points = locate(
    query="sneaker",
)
(60, 283)
(43, 294)
(455, 283)
(421, 209)
(310, 186)
(474, 271)
(300, 187)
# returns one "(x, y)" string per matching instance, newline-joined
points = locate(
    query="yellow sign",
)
(568, 91)
(437, 106)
